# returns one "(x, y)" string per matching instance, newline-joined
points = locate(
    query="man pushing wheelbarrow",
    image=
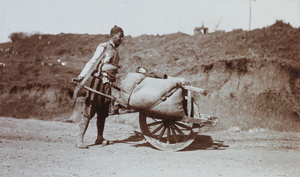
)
(102, 67)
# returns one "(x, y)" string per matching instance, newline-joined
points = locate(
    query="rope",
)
(133, 91)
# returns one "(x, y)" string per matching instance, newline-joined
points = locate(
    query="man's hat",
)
(115, 30)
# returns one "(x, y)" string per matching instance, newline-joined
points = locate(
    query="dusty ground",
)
(46, 148)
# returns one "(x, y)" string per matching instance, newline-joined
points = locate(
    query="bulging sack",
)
(154, 96)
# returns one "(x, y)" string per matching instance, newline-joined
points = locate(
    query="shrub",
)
(14, 37)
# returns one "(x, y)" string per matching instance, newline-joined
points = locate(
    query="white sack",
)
(154, 96)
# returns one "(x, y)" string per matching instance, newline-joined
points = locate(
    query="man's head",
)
(116, 35)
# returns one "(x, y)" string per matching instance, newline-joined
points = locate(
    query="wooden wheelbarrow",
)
(168, 133)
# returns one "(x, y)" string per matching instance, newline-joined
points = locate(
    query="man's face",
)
(118, 38)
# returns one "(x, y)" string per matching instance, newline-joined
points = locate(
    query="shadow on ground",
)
(205, 142)
(202, 142)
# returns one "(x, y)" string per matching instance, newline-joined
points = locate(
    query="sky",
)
(138, 17)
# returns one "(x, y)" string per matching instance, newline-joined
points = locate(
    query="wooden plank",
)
(194, 89)
(202, 120)
(193, 120)
(207, 116)
(189, 103)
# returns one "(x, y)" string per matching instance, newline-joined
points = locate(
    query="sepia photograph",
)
(149, 88)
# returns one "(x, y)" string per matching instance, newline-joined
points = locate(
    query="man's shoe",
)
(81, 145)
(103, 142)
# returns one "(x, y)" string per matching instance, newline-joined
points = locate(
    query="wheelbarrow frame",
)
(171, 126)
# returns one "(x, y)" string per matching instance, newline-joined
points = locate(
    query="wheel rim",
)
(167, 134)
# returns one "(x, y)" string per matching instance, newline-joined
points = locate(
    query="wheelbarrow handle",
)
(103, 94)
(100, 93)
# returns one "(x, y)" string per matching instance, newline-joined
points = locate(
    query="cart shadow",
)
(202, 142)
(205, 142)
(136, 137)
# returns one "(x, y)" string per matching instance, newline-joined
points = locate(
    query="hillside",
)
(252, 77)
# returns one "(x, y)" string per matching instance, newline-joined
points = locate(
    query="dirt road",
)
(46, 148)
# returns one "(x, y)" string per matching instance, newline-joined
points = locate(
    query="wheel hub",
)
(167, 122)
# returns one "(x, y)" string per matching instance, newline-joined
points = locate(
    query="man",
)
(107, 58)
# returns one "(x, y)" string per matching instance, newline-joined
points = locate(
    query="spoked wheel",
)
(167, 134)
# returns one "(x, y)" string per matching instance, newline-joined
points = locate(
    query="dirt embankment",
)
(36, 100)
(248, 93)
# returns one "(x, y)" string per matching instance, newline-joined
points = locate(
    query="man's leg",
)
(100, 128)
(83, 125)
(102, 112)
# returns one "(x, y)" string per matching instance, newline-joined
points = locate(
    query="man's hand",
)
(76, 81)
(79, 79)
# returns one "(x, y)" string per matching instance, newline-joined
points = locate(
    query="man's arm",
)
(90, 63)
